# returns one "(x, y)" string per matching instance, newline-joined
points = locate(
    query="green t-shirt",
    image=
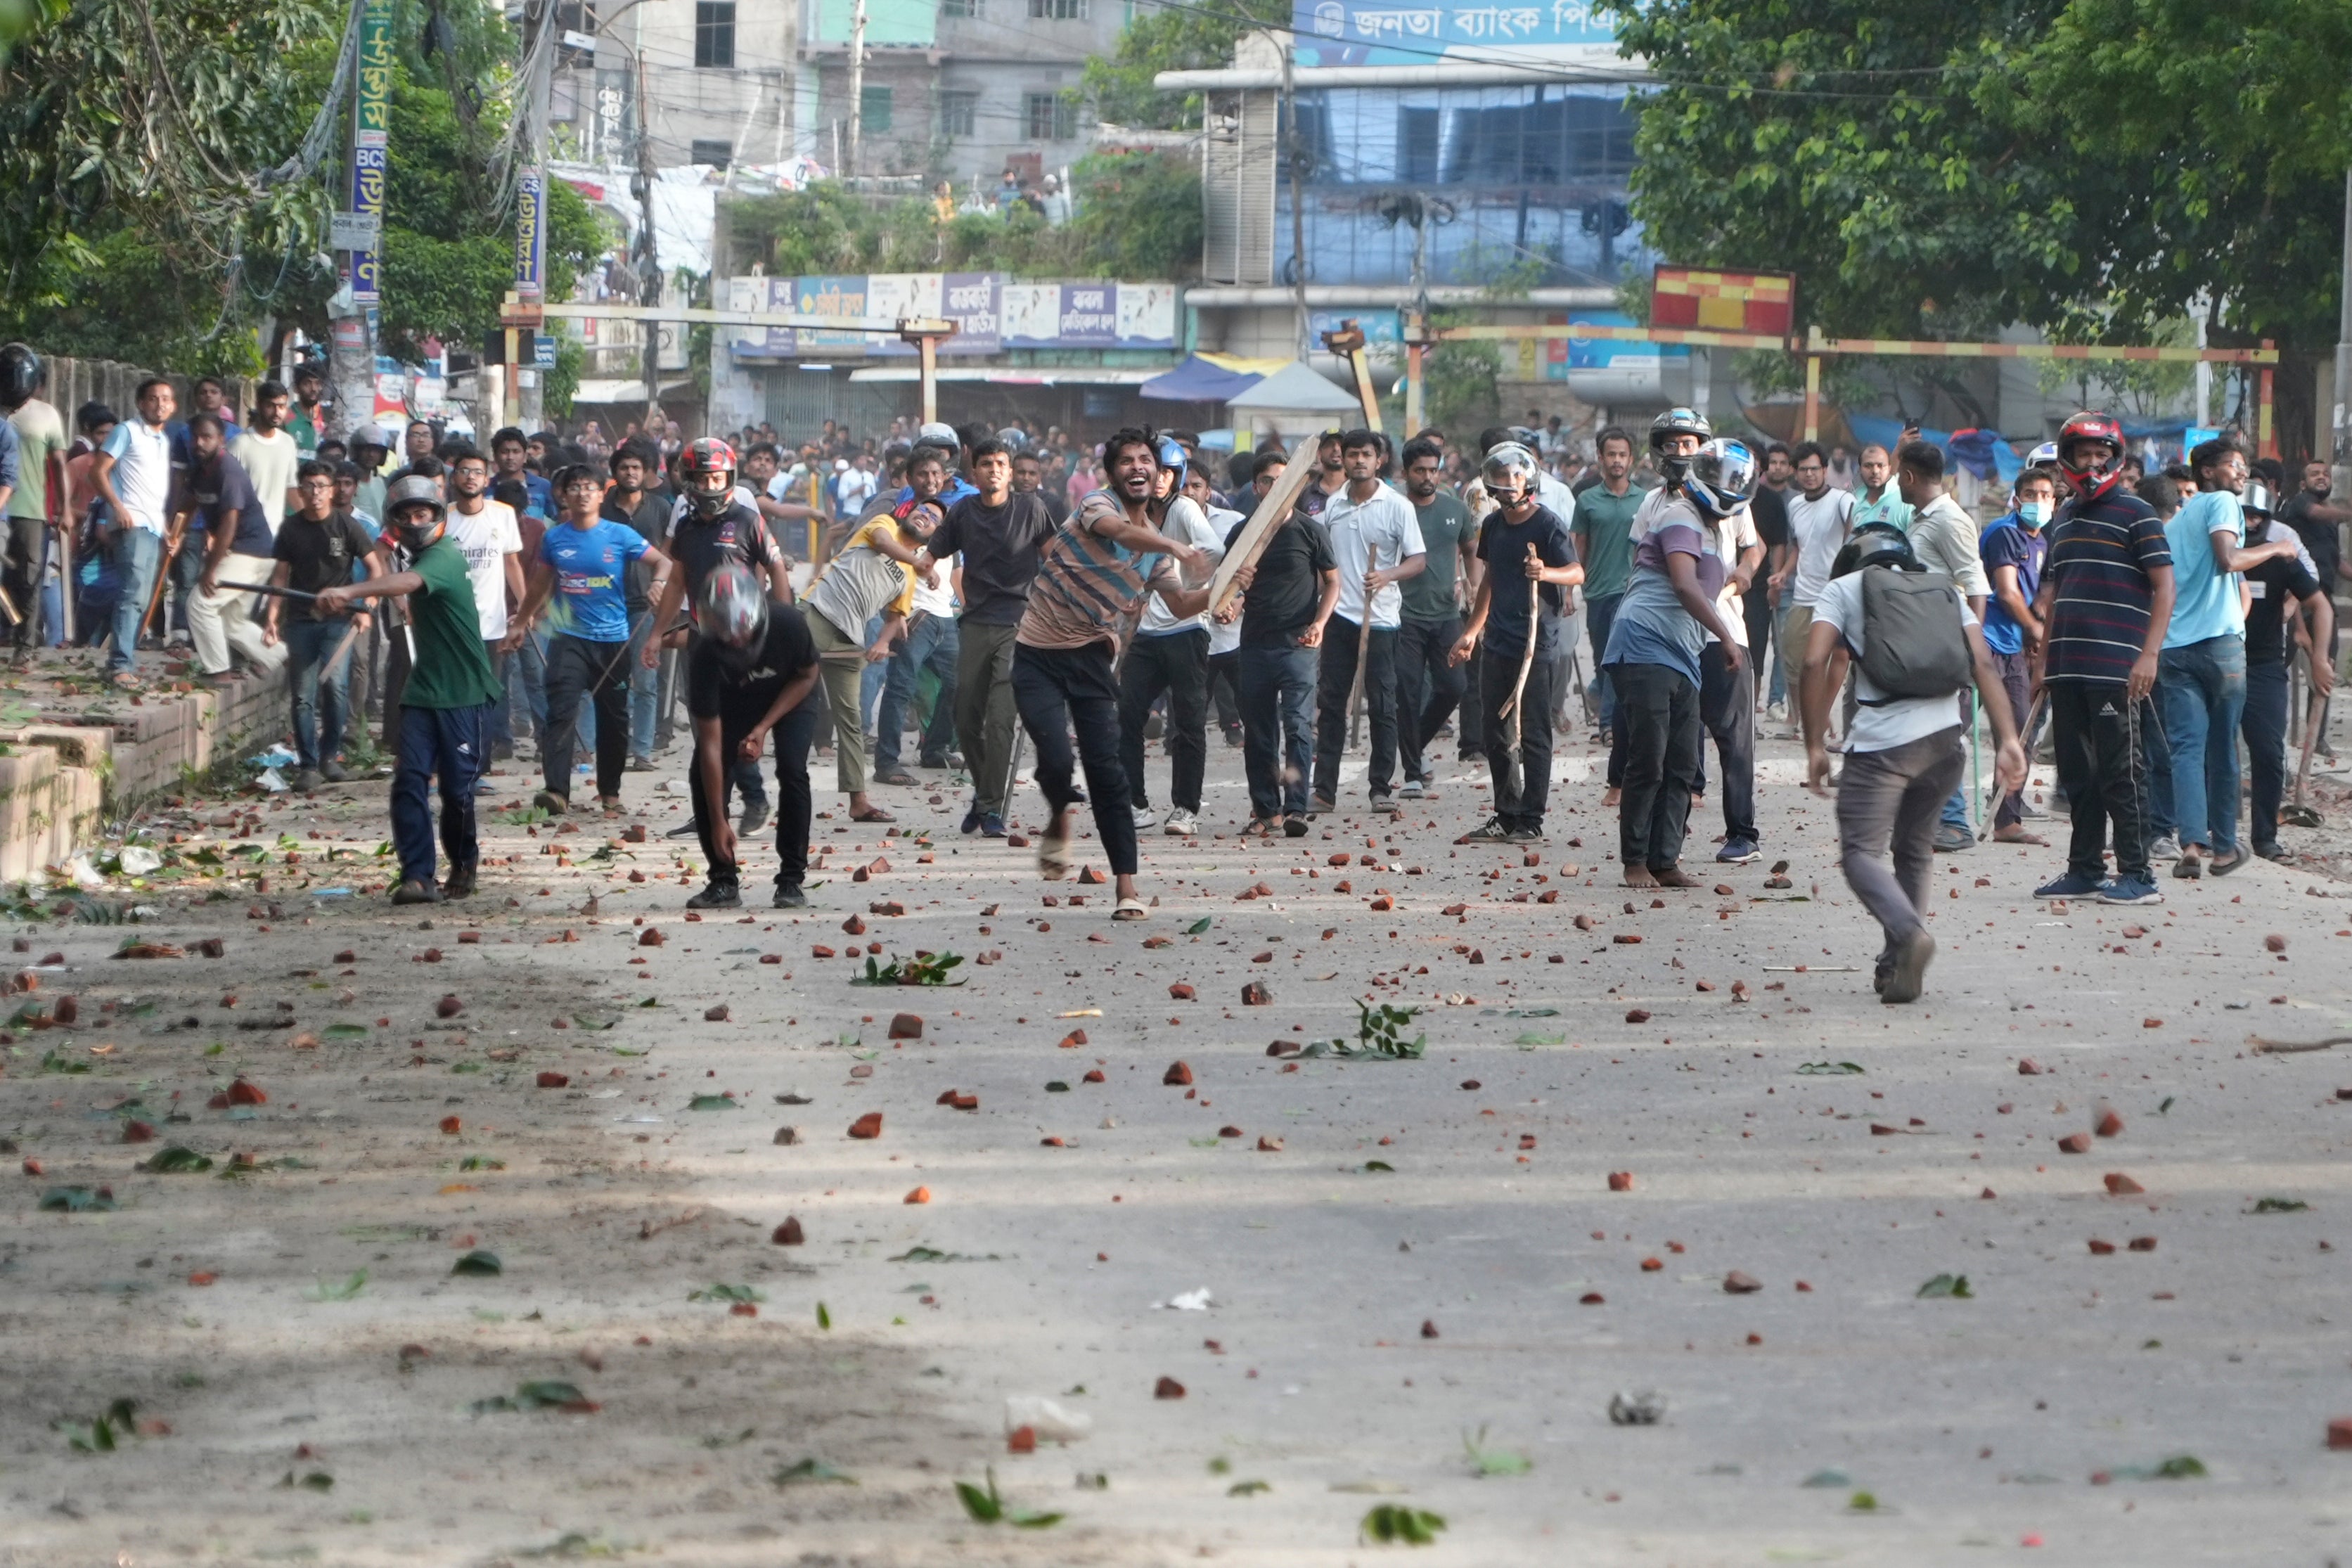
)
(1443, 522)
(40, 434)
(1604, 538)
(451, 669)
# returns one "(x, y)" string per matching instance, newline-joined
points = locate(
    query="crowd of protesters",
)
(997, 590)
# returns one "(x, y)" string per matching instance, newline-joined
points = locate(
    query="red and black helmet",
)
(707, 455)
(2086, 484)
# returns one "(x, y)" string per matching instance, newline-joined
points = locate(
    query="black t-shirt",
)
(1503, 546)
(320, 554)
(1056, 505)
(2318, 537)
(651, 519)
(736, 686)
(1000, 547)
(702, 545)
(1288, 584)
(1770, 509)
(2273, 582)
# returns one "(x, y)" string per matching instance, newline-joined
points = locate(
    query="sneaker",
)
(972, 820)
(1386, 804)
(755, 817)
(1951, 838)
(305, 782)
(1181, 824)
(789, 896)
(1491, 831)
(1144, 817)
(1321, 805)
(548, 801)
(1525, 834)
(640, 765)
(459, 882)
(1409, 790)
(1906, 977)
(991, 825)
(2072, 885)
(1737, 852)
(2130, 890)
(2165, 849)
(1295, 825)
(717, 896)
(334, 771)
(416, 892)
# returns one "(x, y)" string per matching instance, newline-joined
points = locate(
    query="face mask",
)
(2034, 514)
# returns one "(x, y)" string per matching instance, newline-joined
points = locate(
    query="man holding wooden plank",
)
(1375, 544)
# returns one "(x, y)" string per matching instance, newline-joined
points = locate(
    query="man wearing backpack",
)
(1915, 645)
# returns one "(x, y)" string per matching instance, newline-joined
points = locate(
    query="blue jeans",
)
(2202, 689)
(933, 643)
(527, 685)
(322, 702)
(645, 700)
(1277, 740)
(455, 743)
(137, 555)
(1599, 615)
(1955, 808)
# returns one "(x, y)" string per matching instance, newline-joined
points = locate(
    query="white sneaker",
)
(1143, 817)
(1181, 824)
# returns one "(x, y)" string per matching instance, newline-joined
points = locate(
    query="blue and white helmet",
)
(1720, 477)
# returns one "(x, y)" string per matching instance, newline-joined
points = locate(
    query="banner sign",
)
(990, 313)
(1723, 302)
(531, 235)
(1352, 32)
(371, 130)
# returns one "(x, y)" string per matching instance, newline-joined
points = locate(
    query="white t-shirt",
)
(143, 472)
(1224, 636)
(269, 462)
(1386, 527)
(1818, 529)
(1733, 534)
(1904, 720)
(487, 537)
(854, 490)
(1186, 522)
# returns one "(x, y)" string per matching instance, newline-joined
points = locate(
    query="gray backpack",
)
(1913, 642)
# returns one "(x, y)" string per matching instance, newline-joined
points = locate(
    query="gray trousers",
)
(984, 713)
(1888, 804)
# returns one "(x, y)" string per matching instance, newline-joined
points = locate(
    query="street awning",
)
(1295, 389)
(610, 389)
(1022, 375)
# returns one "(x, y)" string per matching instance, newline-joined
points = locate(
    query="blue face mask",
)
(2034, 514)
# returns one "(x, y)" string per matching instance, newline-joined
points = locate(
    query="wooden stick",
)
(1256, 534)
(1363, 650)
(162, 581)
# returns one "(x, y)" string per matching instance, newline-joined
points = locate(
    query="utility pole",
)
(1293, 150)
(354, 306)
(530, 223)
(2340, 421)
(649, 253)
(856, 84)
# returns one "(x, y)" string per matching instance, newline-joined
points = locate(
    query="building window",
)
(714, 35)
(959, 114)
(976, 10)
(718, 155)
(1052, 117)
(1417, 146)
(1059, 10)
(874, 108)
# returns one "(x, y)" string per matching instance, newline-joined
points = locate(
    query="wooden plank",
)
(1251, 542)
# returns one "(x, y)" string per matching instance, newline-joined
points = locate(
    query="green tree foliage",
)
(1172, 38)
(134, 224)
(2094, 167)
(1138, 216)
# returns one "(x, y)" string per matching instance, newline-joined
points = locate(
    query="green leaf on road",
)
(2278, 1205)
(1391, 1524)
(177, 1160)
(1829, 1069)
(343, 1291)
(713, 1102)
(1952, 1287)
(75, 1200)
(480, 1263)
(813, 1472)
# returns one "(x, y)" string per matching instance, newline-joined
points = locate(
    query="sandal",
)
(2221, 866)
(1131, 909)
(872, 814)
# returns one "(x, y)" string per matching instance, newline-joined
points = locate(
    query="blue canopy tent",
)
(1198, 380)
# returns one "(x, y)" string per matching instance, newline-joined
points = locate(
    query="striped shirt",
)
(2100, 556)
(1086, 585)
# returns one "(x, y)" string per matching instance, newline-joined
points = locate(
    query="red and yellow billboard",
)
(1723, 302)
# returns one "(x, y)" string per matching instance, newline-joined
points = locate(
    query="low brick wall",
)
(65, 775)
